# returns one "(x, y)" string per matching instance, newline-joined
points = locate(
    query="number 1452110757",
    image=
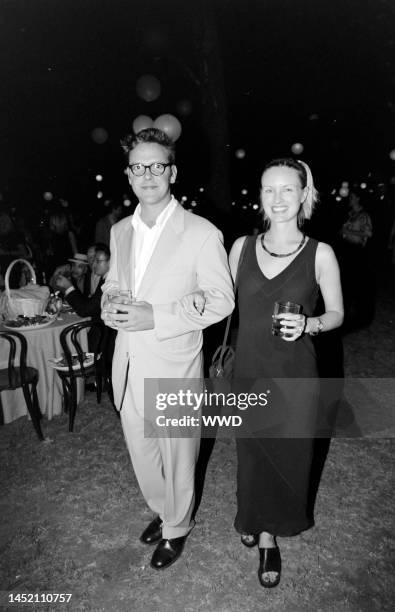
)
(39, 598)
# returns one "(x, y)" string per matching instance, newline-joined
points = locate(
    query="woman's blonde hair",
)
(306, 180)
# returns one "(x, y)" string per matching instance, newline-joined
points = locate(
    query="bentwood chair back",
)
(77, 364)
(19, 375)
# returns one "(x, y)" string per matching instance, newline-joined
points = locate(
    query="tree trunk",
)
(214, 108)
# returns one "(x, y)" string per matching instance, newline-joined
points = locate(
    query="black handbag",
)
(223, 359)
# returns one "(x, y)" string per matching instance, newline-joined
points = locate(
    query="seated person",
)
(79, 269)
(80, 272)
(83, 305)
(90, 306)
(64, 270)
(91, 278)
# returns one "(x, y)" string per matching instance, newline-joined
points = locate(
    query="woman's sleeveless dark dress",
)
(273, 472)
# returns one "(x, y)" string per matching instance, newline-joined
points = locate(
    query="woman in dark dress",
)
(282, 264)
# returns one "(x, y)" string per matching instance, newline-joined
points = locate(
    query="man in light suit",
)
(162, 253)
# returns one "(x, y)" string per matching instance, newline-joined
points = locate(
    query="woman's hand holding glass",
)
(288, 321)
(291, 325)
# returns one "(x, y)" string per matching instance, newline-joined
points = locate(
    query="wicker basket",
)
(19, 302)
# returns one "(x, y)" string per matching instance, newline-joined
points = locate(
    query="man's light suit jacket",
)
(189, 256)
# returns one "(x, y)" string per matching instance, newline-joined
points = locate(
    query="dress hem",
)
(287, 533)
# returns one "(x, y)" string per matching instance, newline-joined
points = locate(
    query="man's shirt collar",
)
(138, 223)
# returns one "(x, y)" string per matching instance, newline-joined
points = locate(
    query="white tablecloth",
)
(42, 344)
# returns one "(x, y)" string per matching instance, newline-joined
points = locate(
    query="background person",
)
(104, 225)
(281, 264)
(358, 278)
(79, 269)
(83, 305)
(62, 243)
(12, 246)
(91, 278)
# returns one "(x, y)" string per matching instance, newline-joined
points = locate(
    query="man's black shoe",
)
(153, 532)
(167, 552)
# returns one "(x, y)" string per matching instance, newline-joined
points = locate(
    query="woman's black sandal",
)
(248, 539)
(269, 561)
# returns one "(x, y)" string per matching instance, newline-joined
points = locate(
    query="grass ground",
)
(72, 513)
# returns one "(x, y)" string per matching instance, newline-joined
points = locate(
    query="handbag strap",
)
(229, 319)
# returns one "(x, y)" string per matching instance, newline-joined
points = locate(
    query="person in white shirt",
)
(92, 279)
(162, 254)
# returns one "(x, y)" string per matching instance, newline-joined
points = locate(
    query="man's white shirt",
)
(146, 239)
(95, 279)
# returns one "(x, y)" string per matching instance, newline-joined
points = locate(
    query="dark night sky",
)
(70, 66)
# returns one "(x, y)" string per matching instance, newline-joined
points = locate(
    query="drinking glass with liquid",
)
(281, 308)
(113, 300)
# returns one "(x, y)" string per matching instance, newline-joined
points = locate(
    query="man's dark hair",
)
(130, 141)
(100, 247)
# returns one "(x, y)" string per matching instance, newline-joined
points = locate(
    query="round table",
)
(43, 344)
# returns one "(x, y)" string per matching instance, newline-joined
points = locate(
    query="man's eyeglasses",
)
(157, 168)
(99, 260)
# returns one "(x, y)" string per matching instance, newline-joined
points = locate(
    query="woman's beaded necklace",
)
(301, 243)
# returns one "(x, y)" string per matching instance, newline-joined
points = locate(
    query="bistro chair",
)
(19, 375)
(70, 341)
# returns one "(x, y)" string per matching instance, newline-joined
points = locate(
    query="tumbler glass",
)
(281, 308)
(118, 296)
